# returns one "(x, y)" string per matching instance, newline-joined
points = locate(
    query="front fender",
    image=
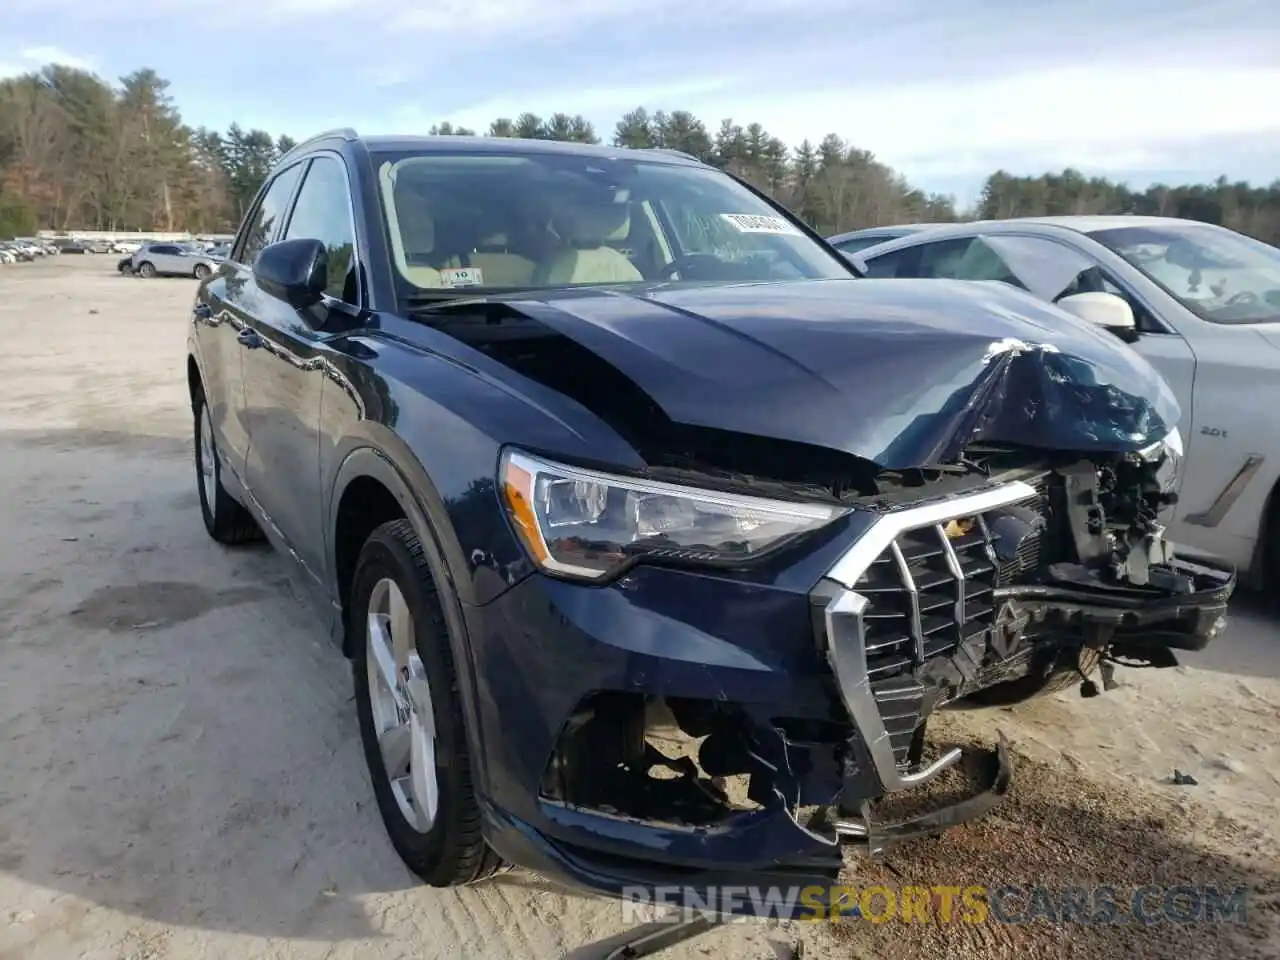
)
(408, 482)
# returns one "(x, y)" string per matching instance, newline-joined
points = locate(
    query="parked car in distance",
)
(172, 259)
(1200, 302)
(125, 246)
(20, 252)
(586, 451)
(70, 246)
(856, 240)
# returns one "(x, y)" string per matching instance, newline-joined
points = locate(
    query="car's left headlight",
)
(1167, 456)
(587, 525)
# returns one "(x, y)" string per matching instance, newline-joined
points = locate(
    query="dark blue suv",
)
(654, 535)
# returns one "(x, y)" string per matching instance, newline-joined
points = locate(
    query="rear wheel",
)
(225, 518)
(410, 715)
(201, 271)
(147, 269)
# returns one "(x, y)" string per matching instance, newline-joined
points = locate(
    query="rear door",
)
(165, 257)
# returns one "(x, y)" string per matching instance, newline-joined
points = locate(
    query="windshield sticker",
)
(461, 277)
(755, 223)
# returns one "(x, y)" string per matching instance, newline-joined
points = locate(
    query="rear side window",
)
(895, 264)
(261, 226)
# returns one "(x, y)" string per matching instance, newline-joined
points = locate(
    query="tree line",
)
(77, 152)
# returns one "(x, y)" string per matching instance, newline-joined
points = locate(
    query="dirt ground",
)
(180, 773)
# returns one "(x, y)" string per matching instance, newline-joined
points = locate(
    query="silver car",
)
(1200, 302)
(172, 259)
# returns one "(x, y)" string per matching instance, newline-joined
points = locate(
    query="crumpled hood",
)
(903, 373)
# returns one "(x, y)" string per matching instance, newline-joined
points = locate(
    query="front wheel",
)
(410, 715)
(147, 270)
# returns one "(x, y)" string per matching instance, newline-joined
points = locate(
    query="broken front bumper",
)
(825, 688)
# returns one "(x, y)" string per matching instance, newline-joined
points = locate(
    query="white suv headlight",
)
(586, 525)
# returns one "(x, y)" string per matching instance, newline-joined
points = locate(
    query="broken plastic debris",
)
(1016, 347)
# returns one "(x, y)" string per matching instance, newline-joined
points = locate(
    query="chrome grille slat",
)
(909, 584)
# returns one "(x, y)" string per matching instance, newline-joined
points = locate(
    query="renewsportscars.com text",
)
(942, 903)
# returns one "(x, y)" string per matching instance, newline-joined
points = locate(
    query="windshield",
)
(478, 222)
(1217, 274)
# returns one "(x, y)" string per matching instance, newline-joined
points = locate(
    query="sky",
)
(1138, 90)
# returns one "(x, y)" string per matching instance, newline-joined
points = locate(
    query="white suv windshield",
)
(1217, 274)
(477, 222)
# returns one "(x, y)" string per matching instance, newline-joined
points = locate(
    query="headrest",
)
(594, 225)
(417, 228)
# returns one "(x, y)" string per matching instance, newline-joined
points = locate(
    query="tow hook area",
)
(992, 767)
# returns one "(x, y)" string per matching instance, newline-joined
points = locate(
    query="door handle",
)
(202, 311)
(249, 338)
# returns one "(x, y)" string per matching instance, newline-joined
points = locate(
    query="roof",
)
(1087, 223)
(1084, 223)
(902, 228)
(449, 143)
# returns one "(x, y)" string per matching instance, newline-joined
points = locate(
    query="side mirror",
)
(295, 271)
(1104, 309)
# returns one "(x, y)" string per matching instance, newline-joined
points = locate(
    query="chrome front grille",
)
(927, 593)
(917, 585)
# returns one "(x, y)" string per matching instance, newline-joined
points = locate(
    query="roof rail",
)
(674, 153)
(345, 133)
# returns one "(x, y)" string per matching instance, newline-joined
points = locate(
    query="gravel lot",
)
(181, 773)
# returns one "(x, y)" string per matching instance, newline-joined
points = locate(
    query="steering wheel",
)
(690, 262)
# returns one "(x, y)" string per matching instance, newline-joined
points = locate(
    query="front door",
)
(285, 369)
(228, 303)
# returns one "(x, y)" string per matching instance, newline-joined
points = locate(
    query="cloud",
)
(1107, 115)
(943, 92)
(606, 103)
(33, 58)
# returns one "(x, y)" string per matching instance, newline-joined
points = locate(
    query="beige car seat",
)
(418, 238)
(498, 266)
(586, 230)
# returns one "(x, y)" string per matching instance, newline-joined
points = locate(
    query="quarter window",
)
(261, 226)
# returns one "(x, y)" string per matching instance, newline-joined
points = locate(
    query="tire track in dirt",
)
(1059, 829)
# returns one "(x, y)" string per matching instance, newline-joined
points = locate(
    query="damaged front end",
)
(917, 497)
(1025, 586)
(989, 588)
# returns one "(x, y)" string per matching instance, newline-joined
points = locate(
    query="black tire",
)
(201, 271)
(225, 518)
(1030, 687)
(147, 269)
(453, 851)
